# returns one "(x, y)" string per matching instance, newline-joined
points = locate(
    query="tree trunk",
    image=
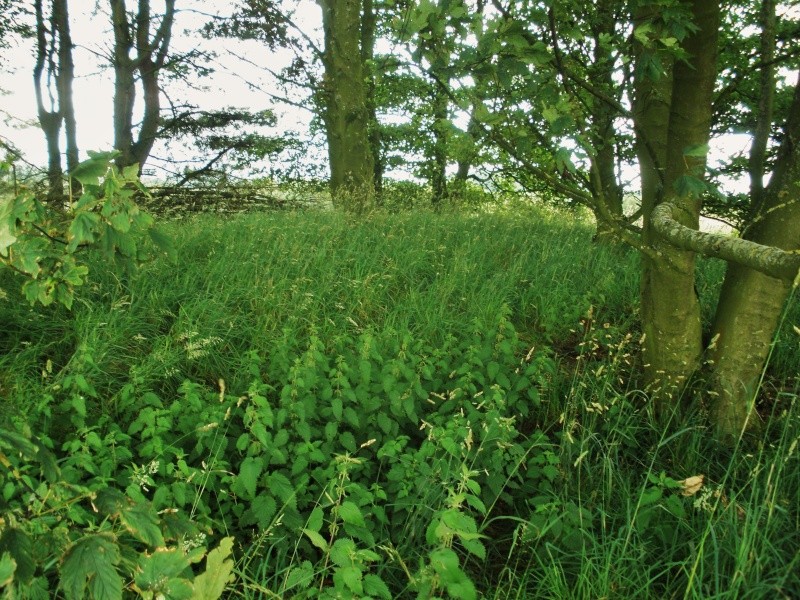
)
(439, 131)
(150, 57)
(66, 75)
(124, 84)
(670, 307)
(751, 302)
(605, 187)
(346, 115)
(368, 24)
(49, 119)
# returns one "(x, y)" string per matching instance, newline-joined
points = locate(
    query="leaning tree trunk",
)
(346, 114)
(751, 303)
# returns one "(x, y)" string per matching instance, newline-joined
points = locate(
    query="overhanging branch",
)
(769, 260)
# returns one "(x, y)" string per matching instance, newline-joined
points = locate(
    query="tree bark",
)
(670, 307)
(751, 301)
(150, 58)
(66, 75)
(346, 114)
(368, 24)
(50, 119)
(605, 187)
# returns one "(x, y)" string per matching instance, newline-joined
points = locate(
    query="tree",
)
(137, 52)
(671, 94)
(346, 110)
(53, 38)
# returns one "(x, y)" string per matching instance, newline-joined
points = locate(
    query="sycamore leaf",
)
(164, 244)
(91, 561)
(92, 169)
(688, 186)
(219, 566)
(82, 229)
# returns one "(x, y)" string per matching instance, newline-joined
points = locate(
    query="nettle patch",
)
(361, 466)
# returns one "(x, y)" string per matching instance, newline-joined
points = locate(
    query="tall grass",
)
(612, 521)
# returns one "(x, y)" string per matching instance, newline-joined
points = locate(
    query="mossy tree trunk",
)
(346, 111)
(751, 302)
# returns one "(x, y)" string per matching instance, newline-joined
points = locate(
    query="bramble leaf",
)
(91, 561)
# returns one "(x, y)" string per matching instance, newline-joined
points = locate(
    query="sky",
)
(93, 88)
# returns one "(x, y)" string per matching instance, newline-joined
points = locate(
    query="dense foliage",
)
(444, 415)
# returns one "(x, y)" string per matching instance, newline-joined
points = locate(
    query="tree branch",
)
(769, 260)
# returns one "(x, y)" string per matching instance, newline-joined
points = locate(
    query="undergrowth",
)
(410, 405)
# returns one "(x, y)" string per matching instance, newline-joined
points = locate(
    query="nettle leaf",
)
(300, 577)
(247, 480)
(315, 519)
(351, 514)
(342, 552)
(351, 576)
(316, 539)
(91, 561)
(219, 568)
(374, 586)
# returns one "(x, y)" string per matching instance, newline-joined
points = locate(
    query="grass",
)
(605, 516)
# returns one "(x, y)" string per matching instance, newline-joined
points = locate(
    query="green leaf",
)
(249, 473)
(351, 576)
(164, 244)
(689, 186)
(92, 169)
(83, 229)
(374, 586)
(160, 573)
(219, 568)
(316, 539)
(7, 568)
(650, 496)
(351, 514)
(316, 519)
(696, 150)
(342, 551)
(16, 543)
(91, 562)
(142, 522)
(300, 577)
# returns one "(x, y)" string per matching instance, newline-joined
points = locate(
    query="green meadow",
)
(411, 405)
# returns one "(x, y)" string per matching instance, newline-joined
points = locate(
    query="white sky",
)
(93, 87)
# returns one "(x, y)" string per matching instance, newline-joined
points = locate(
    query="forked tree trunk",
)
(346, 113)
(137, 52)
(751, 303)
(670, 307)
